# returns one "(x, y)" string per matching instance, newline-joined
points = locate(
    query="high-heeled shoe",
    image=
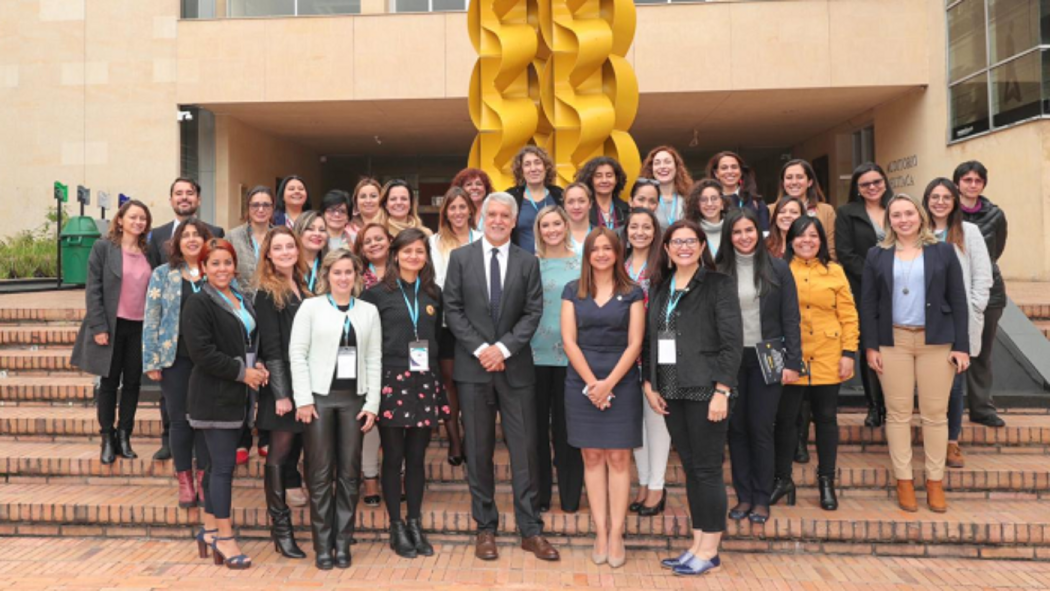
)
(372, 500)
(242, 456)
(419, 539)
(124, 445)
(108, 455)
(828, 500)
(876, 417)
(783, 487)
(202, 546)
(239, 562)
(187, 494)
(647, 511)
(740, 511)
(757, 515)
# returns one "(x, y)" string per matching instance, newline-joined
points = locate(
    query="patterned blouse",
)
(547, 347)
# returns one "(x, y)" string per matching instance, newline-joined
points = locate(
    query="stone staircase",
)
(52, 483)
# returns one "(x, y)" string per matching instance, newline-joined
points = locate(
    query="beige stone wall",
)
(88, 95)
(246, 157)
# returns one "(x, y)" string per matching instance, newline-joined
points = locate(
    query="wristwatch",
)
(722, 392)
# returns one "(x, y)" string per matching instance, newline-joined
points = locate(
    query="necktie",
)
(495, 287)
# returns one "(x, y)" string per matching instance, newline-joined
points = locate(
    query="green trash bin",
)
(76, 241)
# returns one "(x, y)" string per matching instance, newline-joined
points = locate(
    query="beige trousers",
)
(908, 362)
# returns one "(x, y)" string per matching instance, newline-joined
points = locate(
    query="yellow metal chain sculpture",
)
(552, 73)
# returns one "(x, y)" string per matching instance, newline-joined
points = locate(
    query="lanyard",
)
(346, 323)
(246, 318)
(672, 302)
(372, 268)
(313, 276)
(413, 309)
(610, 220)
(576, 245)
(470, 235)
(528, 195)
(634, 276)
(194, 285)
(673, 215)
(255, 243)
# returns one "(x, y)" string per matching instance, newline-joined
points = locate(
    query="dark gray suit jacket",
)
(157, 244)
(466, 303)
(102, 295)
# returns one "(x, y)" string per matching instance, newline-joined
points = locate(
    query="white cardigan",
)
(440, 261)
(977, 276)
(314, 347)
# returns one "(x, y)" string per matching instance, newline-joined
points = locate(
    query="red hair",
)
(468, 174)
(217, 244)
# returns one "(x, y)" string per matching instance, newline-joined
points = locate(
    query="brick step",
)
(1043, 326)
(29, 315)
(48, 335)
(1012, 528)
(59, 389)
(46, 361)
(1035, 310)
(988, 475)
(1030, 432)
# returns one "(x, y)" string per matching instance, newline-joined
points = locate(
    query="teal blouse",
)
(547, 348)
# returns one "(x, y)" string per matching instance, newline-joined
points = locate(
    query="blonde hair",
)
(447, 240)
(269, 280)
(541, 246)
(926, 235)
(330, 260)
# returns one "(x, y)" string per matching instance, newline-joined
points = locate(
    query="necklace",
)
(907, 274)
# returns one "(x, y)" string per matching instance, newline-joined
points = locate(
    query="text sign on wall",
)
(897, 171)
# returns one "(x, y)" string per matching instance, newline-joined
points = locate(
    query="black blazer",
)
(620, 210)
(466, 299)
(854, 237)
(216, 341)
(275, 332)
(780, 315)
(947, 313)
(157, 250)
(712, 352)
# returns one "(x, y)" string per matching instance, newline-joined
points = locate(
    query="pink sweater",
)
(133, 285)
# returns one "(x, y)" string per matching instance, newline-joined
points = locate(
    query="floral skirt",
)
(412, 399)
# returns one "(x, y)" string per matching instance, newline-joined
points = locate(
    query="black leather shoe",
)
(759, 515)
(164, 453)
(802, 453)
(281, 531)
(989, 421)
(109, 449)
(874, 418)
(400, 543)
(343, 559)
(647, 511)
(740, 511)
(124, 445)
(783, 487)
(635, 506)
(419, 539)
(324, 561)
(828, 500)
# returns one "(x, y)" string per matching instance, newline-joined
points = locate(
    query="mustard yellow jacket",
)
(830, 327)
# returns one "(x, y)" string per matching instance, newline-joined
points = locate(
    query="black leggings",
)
(285, 448)
(751, 433)
(824, 405)
(222, 452)
(701, 446)
(126, 367)
(184, 440)
(408, 445)
(550, 417)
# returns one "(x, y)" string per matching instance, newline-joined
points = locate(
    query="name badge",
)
(346, 364)
(249, 360)
(418, 356)
(667, 349)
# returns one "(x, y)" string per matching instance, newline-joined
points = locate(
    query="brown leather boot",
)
(955, 458)
(935, 496)
(906, 495)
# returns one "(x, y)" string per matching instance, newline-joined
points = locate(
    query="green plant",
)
(32, 253)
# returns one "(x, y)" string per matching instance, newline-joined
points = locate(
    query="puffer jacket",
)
(992, 222)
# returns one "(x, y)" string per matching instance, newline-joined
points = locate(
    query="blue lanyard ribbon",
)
(346, 323)
(610, 219)
(255, 244)
(528, 195)
(672, 302)
(313, 276)
(413, 309)
(673, 214)
(634, 276)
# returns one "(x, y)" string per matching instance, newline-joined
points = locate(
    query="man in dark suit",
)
(493, 303)
(185, 198)
(185, 201)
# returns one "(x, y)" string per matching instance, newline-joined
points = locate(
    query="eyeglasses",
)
(710, 200)
(939, 198)
(870, 185)
(260, 206)
(680, 242)
(971, 181)
(337, 212)
(645, 181)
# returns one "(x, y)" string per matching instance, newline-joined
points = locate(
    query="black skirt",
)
(267, 418)
(412, 399)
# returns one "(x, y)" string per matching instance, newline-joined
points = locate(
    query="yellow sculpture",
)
(552, 73)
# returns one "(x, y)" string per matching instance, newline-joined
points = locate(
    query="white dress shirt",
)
(503, 255)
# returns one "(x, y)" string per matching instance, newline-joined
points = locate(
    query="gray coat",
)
(241, 239)
(102, 294)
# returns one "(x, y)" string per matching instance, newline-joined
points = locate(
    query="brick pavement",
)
(48, 563)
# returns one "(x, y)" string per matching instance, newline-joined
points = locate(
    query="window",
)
(998, 66)
(244, 8)
(429, 5)
(863, 146)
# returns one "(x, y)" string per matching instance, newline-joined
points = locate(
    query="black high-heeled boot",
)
(108, 454)
(281, 530)
(124, 444)
(400, 543)
(828, 500)
(783, 487)
(419, 539)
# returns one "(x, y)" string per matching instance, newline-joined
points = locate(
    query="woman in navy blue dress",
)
(602, 326)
